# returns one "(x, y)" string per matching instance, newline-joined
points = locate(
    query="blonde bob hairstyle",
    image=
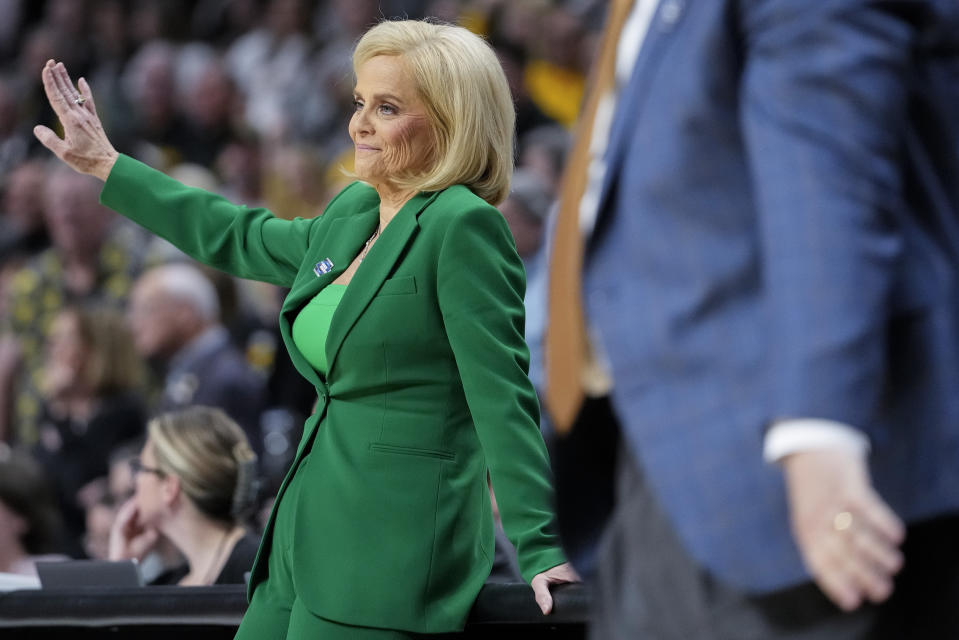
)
(212, 458)
(463, 86)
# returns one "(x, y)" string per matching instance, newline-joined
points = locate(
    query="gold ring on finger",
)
(79, 99)
(842, 521)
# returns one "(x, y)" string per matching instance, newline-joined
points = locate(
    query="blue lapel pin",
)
(322, 267)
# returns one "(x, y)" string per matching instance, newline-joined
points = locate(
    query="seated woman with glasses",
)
(195, 483)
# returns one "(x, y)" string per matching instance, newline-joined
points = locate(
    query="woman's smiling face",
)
(390, 127)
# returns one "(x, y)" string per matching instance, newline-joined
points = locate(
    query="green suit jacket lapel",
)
(376, 266)
(341, 243)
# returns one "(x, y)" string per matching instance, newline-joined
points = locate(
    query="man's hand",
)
(848, 537)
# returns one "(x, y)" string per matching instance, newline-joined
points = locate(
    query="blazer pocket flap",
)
(401, 285)
(421, 452)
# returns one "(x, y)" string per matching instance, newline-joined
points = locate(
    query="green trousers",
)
(276, 612)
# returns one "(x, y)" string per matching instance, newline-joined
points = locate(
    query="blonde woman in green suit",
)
(406, 313)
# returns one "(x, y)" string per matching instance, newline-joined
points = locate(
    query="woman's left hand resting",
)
(559, 574)
(85, 146)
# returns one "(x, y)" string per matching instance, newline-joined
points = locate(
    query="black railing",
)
(211, 613)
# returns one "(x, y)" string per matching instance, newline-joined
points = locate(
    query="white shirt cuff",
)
(805, 434)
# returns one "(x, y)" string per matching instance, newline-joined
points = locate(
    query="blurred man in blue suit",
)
(772, 273)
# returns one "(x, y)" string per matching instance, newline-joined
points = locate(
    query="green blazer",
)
(427, 389)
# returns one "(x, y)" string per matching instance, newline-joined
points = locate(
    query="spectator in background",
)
(518, 24)
(93, 260)
(295, 183)
(92, 390)
(543, 151)
(209, 104)
(102, 497)
(12, 11)
(221, 22)
(29, 523)
(175, 318)
(39, 42)
(98, 520)
(102, 500)
(551, 38)
(112, 47)
(240, 168)
(513, 58)
(269, 62)
(525, 211)
(241, 302)
(14, 140)
(195, 484)
(23, 233)
(111, 43)
(154, 20)
(68, 21)
(154, 129)
(324, 101)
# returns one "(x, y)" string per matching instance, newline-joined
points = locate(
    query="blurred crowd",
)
(102, 326)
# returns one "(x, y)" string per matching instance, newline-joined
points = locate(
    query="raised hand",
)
(85, 146)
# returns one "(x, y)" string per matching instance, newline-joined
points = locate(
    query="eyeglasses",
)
(136, 466)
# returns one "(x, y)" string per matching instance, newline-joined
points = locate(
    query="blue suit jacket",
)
(778, 237)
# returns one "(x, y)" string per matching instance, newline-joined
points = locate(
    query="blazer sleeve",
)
(480, 289)
(247, 243)
(825, 93)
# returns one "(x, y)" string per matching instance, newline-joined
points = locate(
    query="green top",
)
(312, 325)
